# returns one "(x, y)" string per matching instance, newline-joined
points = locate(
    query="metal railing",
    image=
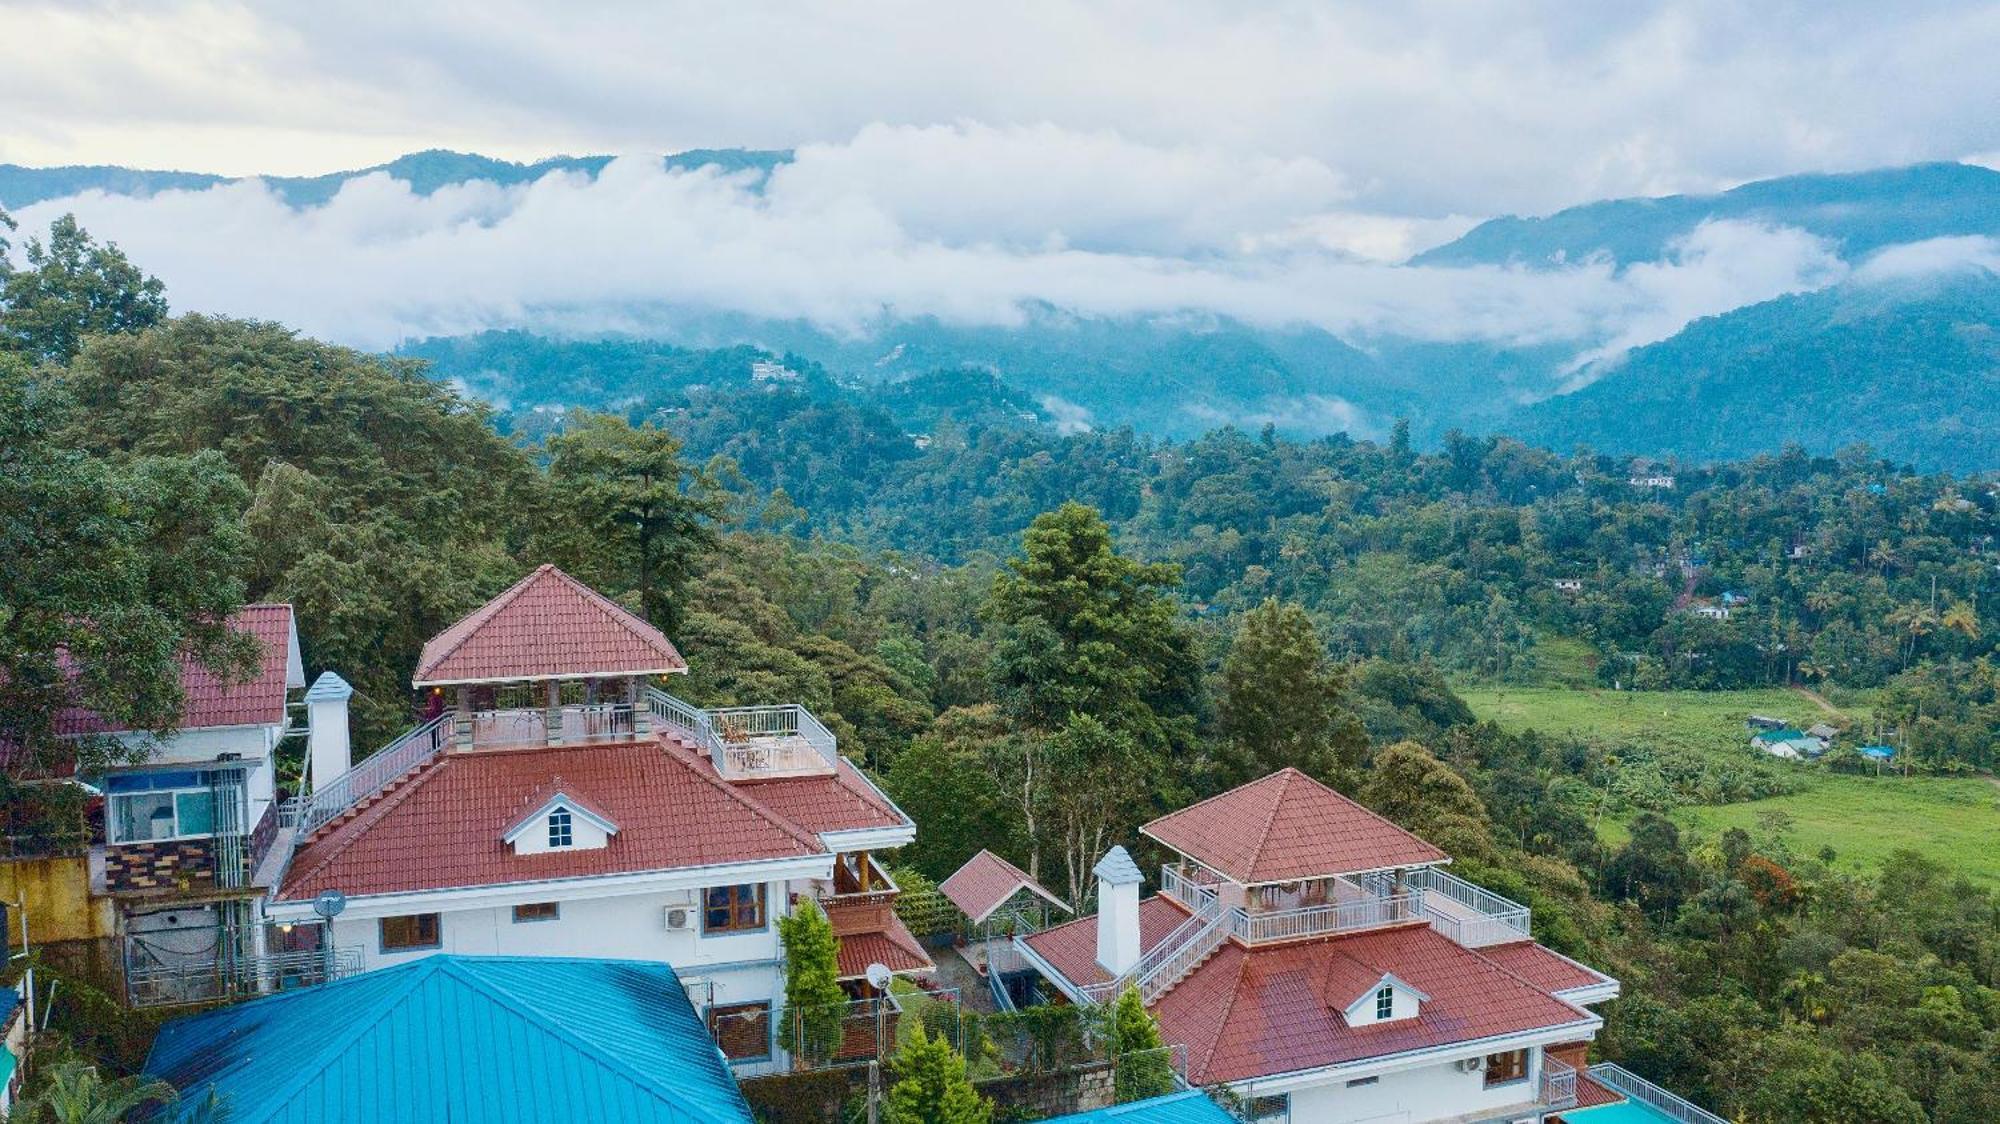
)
(1469, 914)
(1316, 920)
(1558, 1082)
(749, 740)
(372, 775)
(170, 984)
(1185, 890)
(1624, 1082)
(1159, 978)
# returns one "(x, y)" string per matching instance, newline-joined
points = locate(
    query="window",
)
(1274, 1109)
(410, 931)
(743, 1030)
(537, 911)
(1361, 1082)
(1385, 1003)
(1503, 1069)
(561, 832)
(146, 807)
(733, 909)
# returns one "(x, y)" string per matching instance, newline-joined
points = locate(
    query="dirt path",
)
(1819, 700)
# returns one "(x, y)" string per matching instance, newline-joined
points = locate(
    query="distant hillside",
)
(1858, 211)
(425, 172)
(1911, 369)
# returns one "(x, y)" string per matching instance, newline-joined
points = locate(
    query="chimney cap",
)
(329, 688)
(1117, 868)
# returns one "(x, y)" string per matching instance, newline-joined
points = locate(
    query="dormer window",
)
(1385, 1004)
(1365, 996)
(560, 821)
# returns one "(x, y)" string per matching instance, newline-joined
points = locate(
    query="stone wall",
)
(177, 866)
(1035, 1096)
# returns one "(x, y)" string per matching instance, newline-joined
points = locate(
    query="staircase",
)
(1181, 962)
(367, 782)
(308, 834)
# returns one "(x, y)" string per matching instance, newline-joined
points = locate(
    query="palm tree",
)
(77, 1094)
(1961, 618)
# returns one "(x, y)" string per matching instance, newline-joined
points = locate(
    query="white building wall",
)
(624, 927)
(1412, 1096)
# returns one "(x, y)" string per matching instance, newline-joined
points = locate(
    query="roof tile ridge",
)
(484, 613)
(1222, 1019)
(331, 1047)
(1218, 796)
(373, 816)
(592, 1052)
(769, 815)
(1270, 820)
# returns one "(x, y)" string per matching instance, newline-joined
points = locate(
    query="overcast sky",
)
(1261, 160)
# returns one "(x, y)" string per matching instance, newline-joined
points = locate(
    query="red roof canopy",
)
(547, 626)
(1286, 827)
(986, 882)
(210, 701)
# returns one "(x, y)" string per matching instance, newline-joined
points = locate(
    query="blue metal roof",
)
(1189, 1106)
(460, 1038)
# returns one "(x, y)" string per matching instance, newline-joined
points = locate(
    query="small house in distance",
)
(1789, 743)
(1568, 585)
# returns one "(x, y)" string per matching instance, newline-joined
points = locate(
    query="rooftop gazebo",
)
(549, 662)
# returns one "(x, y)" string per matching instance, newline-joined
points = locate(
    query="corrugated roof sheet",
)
(1288, 826)
(1189, 1106)
(452, 1038)
(547, 625)
(986, 882)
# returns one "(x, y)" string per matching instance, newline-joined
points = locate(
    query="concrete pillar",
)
(329, 748)
(1118, 881)
(642, 714)
(552, 726)
(462, 725)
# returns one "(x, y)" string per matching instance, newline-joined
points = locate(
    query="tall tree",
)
(113, 571)
(932, 1087)
(814, 1002)
(1282, 702)
(628, 512)
(73, 288)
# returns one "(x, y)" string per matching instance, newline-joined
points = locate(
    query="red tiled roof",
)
(212, 702)
(842, 801)
(1288, 826)
(441, 828)
(894, 947)
(1255, 1012)
(1544, 967)
(986, 882)
(547, 626)
(1589, 1094)
(1071, 947)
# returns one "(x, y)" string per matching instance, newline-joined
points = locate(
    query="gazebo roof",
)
(547, 626)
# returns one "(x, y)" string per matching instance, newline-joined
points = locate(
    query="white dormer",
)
(1389, 999)
(560, 823)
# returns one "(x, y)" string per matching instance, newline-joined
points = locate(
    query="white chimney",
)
(329, 750)
(1118, 880)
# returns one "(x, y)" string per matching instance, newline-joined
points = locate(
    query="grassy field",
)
(1863, 818)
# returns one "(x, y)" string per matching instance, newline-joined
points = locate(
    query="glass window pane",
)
(197, 812)
(142, 816)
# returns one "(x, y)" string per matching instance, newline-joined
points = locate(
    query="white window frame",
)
(562, 831)
(1385, 1003)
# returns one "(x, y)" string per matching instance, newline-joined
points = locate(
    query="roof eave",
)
(620, 674)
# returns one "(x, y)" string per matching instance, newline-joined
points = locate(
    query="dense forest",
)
(1038, 640)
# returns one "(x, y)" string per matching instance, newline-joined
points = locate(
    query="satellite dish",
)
(329, 903)
(879, 976)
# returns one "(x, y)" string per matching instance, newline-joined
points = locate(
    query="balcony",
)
(570, 724)
(750, 743)
(175, 984)
(1471, 915)
(1633, 1087)
(1558, 1083)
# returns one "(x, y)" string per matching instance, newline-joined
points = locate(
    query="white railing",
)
(1171, 969)
(689, 719)
(1149, 965)
(371, 776)
(1338, 917)
(1471, 915)
(169, 985)
(1195, 895)
(1624, 1082)
(1558, 1082)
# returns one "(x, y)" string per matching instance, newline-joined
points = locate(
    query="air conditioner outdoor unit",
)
(1470, 1065)
(679, 917)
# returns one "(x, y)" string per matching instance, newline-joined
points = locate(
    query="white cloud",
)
(967, 223)
(1932, 256)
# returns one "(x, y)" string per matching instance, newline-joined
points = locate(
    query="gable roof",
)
(1254, 1012)
(986, 882)
(441, 827)
(209, 700)
(548, 625)
(459, 1038)
(560, 799)
(1285, 827)
(1189, 1106)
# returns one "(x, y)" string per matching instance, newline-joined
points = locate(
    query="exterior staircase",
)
(1180, 961)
